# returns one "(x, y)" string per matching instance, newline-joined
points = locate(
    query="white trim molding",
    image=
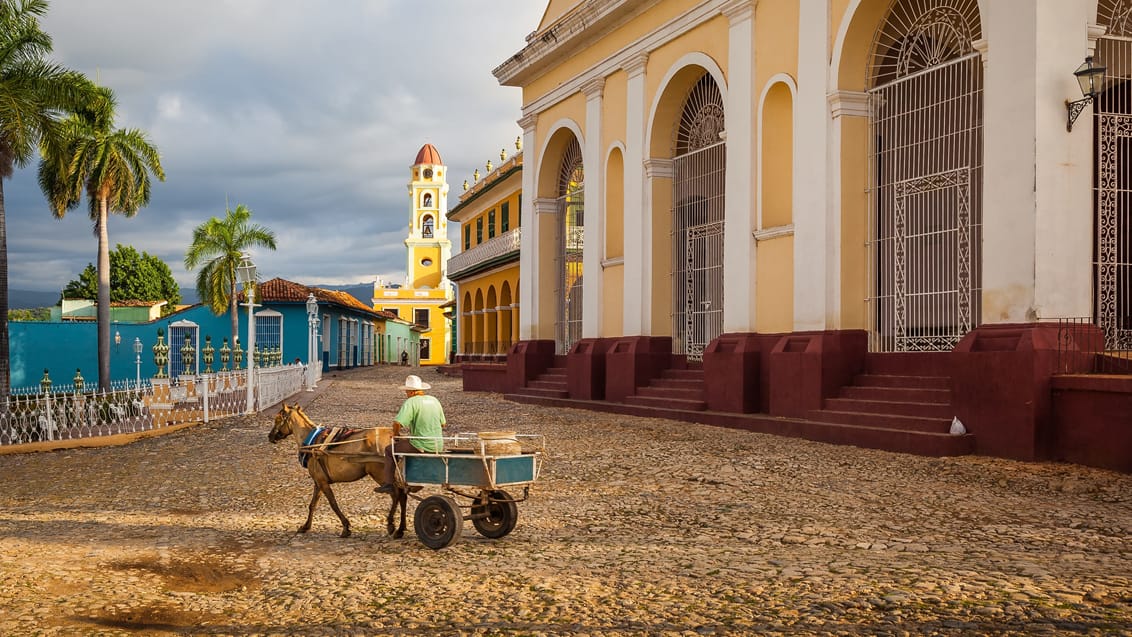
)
(766, 234)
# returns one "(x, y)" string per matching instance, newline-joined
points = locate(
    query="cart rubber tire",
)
(502, 512)
(438, 522)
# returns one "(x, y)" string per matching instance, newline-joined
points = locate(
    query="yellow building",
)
(781, 206)
(486, 271)
(426, 288)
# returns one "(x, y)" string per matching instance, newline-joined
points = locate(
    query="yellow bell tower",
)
(427, 243)
(426, 291)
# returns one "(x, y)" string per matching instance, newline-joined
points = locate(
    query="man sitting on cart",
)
(424, 418)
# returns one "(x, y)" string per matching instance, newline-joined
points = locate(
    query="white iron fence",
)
(68, 413)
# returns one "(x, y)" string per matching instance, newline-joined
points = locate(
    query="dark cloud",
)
(309, 114)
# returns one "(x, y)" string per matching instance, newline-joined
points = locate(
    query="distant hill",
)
(31, 299)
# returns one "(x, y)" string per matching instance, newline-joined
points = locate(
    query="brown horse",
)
(327, 468)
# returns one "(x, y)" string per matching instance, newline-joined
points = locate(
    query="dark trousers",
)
(403, 446)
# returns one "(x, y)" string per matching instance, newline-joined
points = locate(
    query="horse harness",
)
(320, 438)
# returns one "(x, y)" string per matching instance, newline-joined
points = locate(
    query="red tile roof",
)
(428, 155)
(282, 290)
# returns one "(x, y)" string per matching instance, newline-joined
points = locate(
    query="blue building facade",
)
(349, 334)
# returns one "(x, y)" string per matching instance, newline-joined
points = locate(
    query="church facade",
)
(422, 298)
(795, 199)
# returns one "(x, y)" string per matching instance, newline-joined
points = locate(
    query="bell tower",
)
(427, 242)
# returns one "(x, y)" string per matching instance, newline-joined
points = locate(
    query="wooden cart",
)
(473, 471)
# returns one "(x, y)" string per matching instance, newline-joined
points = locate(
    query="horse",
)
(326, 469)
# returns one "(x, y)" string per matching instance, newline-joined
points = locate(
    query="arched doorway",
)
(698, 166)
(925, 88)
(1112, 177)
(571, 226)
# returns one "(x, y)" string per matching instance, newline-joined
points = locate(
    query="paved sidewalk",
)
(638, 527)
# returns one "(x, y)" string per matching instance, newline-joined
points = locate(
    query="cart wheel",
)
(494, 514)
(438, 522)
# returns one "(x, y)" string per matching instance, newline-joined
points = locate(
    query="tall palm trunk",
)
(235, 313)
(103, 297)
(5, 369)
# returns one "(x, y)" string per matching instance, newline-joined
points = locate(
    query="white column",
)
(817, 216)
(593, 231)
(738, 240)
(1064, 200)
(528, 238)
(637, 218)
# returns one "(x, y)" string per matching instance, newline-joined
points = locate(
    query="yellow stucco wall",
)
(776, 41)
(661, 258)
(613, 110)
(581, 60)
(423, 275)
(405, 305)
(613, 299)
(777, 157)
(615, 205)
(774, 286)
(493, 289)
(854, 222)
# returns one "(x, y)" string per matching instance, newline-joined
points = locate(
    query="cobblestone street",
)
(637, 526)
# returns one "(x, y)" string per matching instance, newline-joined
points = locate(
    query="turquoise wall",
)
(63, 347)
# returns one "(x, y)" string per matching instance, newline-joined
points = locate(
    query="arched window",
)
(571, 210)
(426, 201)
(426, 226)
(925, 89)
(698, 171)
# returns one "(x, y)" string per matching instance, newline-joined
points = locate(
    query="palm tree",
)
(220, 244)
(113, 167)
(34, 93)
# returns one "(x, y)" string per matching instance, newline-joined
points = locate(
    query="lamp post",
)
(1090, 78)
(245, 273)
(137, 362)
(312, 339)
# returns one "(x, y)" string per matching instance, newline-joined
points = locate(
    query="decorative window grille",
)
(926, 125)
(698, 171)
(269, 331)
(1112, 178)
(177, 333)
(571, 226)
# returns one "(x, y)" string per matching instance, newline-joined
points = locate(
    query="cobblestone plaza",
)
(637, 526)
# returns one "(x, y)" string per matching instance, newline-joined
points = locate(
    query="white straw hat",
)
(414, 383)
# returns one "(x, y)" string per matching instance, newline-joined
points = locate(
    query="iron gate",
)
(698, 171)
(1113, 187)
(926, 136)
(571, 230)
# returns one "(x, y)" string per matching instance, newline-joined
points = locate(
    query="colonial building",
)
(426, 288)
(858, 220)
(486, 270)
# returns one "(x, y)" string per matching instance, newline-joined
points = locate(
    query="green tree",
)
(37, 315)
(134, 276)
(34, 94)
(219, 244)
(113, 167)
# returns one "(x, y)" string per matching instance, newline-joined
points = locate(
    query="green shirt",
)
(423, 416)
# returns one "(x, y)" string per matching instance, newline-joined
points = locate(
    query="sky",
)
(310, 114)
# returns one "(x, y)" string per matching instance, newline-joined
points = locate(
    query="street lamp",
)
(245, 273)
(312, 339)
(137, 361)
(1090, 78)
